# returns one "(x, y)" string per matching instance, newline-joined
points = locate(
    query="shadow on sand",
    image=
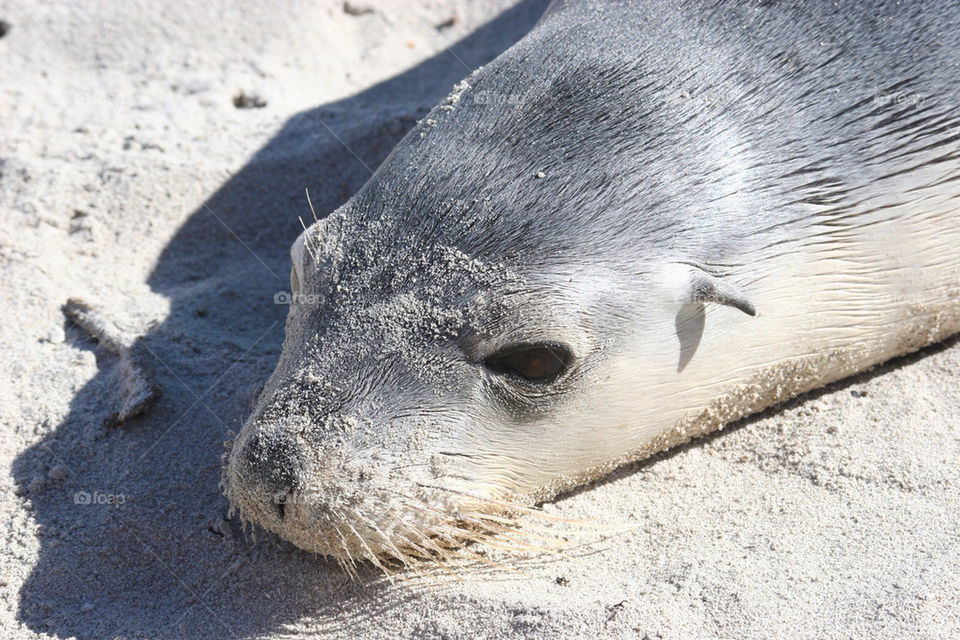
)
(133, 534)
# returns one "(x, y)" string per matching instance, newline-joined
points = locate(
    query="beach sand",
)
(153, 161)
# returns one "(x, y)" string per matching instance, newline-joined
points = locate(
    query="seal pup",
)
(642, 221)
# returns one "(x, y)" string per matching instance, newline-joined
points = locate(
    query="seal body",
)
(641, 222)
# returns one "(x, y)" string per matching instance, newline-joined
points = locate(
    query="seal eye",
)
(537, 363)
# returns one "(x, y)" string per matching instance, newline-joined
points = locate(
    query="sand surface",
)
(129, 177)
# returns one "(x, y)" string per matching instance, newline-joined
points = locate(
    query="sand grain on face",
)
(837, 508)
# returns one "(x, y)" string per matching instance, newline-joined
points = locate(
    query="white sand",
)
(129, 178)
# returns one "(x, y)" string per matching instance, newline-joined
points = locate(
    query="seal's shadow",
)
(133, 537)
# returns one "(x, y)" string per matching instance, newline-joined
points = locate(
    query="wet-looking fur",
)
(683, 213)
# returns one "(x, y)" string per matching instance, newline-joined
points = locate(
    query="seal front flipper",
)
(704, 287)
(692, 287)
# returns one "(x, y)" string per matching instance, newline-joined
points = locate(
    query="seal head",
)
(557, 270)
(467, 313)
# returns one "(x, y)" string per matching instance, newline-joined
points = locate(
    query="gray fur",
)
(539, 203)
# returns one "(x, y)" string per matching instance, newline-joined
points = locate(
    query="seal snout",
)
(266, 469)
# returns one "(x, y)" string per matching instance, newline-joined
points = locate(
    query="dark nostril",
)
(280, 502)
(272, 459)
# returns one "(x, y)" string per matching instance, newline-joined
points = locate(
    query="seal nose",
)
(271, 464)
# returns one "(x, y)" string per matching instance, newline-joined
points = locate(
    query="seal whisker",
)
(368, 552)
(399, 555)
(500, 538)
(352, 568)
(583, 528)
(501, 533)
(478, 537)
(482, 535)
(426, 533)
(425, 555)
(462, 549)
(310, 202)
(440, 555)
(306, 241)
(511, 506)
(521, 531)
(456, 545)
